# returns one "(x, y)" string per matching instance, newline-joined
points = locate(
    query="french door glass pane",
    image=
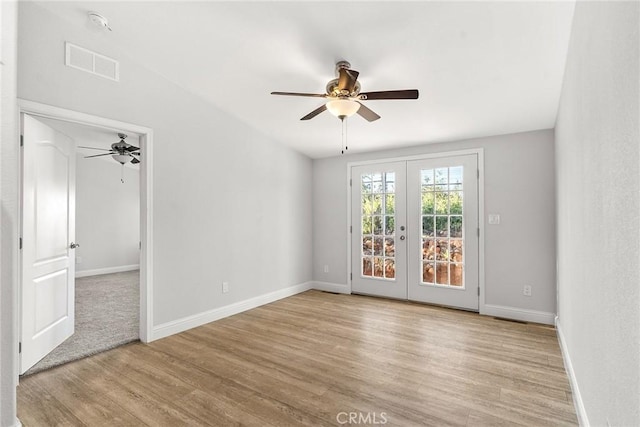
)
(378, 225)
(442, 226)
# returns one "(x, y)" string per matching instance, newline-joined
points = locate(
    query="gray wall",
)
(229, 203)
(8, 212)
(107, 213)
(597, 149)
(519, 184)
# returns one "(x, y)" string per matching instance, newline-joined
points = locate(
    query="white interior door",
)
(48, 233)
(378, 230)
(415, 230)
(443, 253)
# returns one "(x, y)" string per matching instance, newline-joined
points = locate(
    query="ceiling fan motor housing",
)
(333, 90)
(333, 85)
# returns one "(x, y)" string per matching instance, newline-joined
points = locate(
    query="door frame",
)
(146, 201)
(477, 151)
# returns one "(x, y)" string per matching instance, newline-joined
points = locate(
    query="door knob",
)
(401, 237)
(74, 245)
(402, 228)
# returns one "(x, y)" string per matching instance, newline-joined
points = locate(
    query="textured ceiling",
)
(482, 68)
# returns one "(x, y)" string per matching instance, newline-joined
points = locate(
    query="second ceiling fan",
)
(121, 151)
(343, 95)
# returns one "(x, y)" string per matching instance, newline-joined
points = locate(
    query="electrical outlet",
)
(225, 287)
(326, 269)
(494, 219)
(527, 290)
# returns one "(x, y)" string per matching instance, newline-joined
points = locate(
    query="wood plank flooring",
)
(317, 359)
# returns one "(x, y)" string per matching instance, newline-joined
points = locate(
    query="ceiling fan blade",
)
(315, 112)
(314, 95)
(94, 148)
(135, 153)
(132, 148)
(347, 79)
(367, 113)
(390, 94)
(99, 155)
(135, 161)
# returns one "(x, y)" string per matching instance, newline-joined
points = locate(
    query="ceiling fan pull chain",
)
(342, 134)
(122, 174)
(346, 135)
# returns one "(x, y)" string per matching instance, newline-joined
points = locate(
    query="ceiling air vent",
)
(91, 62)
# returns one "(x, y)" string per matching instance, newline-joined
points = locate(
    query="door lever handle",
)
(74, 245)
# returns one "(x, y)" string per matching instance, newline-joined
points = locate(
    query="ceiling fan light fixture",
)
(343, 107)
(122, 158)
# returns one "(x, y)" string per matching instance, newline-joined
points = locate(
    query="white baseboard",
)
(331, 287)
(189, 322)
(107, 270)
(518, 314)
(583, 420)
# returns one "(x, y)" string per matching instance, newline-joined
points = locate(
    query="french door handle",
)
(74, 245)
(401, 237)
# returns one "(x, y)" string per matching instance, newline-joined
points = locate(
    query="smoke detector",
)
(99, 20)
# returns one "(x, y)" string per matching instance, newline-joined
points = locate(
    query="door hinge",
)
(19, 347)
(478, 291)
(351, 229)
(20, 242)
(478, 231)
(350, 276)
(478, 172)
(350, 182)
(21, 140)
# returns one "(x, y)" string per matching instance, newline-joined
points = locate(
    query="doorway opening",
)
(113, 281)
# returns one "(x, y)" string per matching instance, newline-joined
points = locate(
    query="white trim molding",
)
(583, 420)
(338, 288)
(515, 313)
(107, 270)
(190, 322)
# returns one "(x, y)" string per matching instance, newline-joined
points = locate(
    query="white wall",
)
(107, 215)
(8, 212)
(519, 184)
(229, 203)
(597, 149)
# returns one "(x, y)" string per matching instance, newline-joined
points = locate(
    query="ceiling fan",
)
(121, 151)
(343, 96)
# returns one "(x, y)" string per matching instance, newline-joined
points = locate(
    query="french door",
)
(415, 230)
(378, 226)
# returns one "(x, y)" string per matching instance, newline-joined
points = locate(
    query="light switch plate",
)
(494, 219)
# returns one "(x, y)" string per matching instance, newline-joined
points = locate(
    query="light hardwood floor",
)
(312, 359)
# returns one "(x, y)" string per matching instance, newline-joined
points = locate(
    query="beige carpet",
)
(107, 316)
